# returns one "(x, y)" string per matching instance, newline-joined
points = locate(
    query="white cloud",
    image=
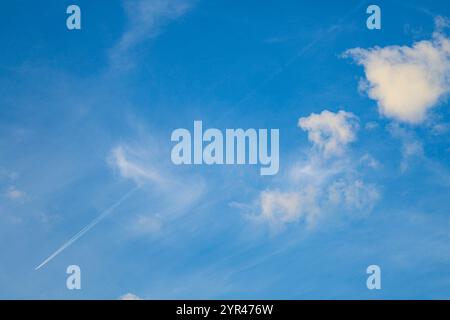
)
(368, 160)
(130, 296)
(354, 195)
(124, 159)
(441, 23)
(330, 132)
(145, 19)
(411, 146)
(407, 81)
(440, 128)
(14, 194)
(310, 200)
(280, 208)
(145, 225)
(410, 150)
(319, 185)
(371, 125)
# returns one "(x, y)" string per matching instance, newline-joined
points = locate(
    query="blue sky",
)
(86, 115)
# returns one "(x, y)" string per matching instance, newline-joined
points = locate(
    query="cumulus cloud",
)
(309, 201)
(407, 81)
(330, 132)
(145, 19)
(130, 296)
(319, 184)
(280, 208)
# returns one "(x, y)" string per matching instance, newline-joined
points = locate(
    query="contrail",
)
(93, 223)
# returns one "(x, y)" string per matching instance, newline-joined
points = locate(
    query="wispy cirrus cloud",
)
(330, 132)
(125, 160)
(143, 163)
(166, 195)
(412, 149)
(145, 20)
(143, 225)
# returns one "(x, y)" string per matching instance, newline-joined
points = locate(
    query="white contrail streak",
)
(92, 224)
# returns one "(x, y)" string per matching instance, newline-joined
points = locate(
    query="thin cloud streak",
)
(92, 224)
